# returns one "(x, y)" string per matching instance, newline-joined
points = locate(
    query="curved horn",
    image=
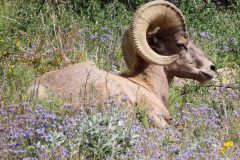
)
(155, 14)
(129, 55)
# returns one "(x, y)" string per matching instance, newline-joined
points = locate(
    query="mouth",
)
(206, 75)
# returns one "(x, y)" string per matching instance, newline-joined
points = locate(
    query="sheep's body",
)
(83, 84)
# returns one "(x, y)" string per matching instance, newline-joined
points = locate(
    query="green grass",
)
(34, 39)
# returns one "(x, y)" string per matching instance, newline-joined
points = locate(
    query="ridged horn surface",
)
(128, 51)
(161, 14)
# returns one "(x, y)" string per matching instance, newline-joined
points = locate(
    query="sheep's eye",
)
(181, 46)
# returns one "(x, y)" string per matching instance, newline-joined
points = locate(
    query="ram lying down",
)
(155, 47)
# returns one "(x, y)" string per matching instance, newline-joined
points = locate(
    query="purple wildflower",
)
(45, 137)
(40, 131)
(203, 107)
(106, 29)
(233, 94)
(65, 152)
(156, 154)
(216, 93)
(109, 158)
(30, 158)
(236, 114)
(28, 109)
(177, 105)
(26, 103)
(204, 34)
(50, 116)
(12, 109)
(17, 151)
(28, 51)
(1, 129)
(125, 98)
(103, 39)
(106, 35)
(13, 144)
(60, 126)
(49, 52)
(94, 36)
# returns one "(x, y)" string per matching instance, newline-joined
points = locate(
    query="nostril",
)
(213, 68)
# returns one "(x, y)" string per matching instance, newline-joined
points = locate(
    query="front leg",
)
(159, 118)
(156, 110)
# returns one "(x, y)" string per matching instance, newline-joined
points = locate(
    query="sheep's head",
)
(192, 62)
(158, 35)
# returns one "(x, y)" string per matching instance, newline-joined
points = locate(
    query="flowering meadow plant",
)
(197, 132)
(32, 132)
(41, 36)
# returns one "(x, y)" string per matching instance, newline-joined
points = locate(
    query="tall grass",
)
(37, 37)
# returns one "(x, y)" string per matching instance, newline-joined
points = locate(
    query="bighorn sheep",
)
(155, 47)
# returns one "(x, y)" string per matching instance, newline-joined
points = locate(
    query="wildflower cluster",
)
(197, 132)
(22, 126)
(32, 132)
(110, 132)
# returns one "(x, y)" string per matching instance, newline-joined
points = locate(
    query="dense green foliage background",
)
(39, 36)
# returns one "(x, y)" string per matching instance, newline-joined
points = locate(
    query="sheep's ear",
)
(181, 41)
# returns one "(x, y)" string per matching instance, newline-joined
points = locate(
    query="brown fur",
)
(83, 84)
(147, 85)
